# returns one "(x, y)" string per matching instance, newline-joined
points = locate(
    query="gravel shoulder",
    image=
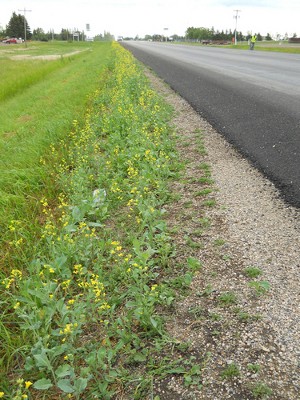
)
(245, 329)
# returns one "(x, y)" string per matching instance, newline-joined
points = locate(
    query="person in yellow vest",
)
(252, 42)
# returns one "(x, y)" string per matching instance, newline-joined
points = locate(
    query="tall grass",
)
(17, 76)
(32, 122)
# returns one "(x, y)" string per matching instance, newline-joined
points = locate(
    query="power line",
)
(25, 11)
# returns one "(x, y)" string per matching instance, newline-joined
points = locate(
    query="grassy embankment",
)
(84, 241)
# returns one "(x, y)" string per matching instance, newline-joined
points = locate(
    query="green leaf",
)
(176, 370)
(63, 371)
(193, 263)
(65, 385)
(42, 360)
(153, 322)
(77, 214)
(188, 278)
(139, 357)
(42, 384)
(101, 354)
(80, 384)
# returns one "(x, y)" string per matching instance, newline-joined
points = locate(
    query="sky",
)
(131, 18)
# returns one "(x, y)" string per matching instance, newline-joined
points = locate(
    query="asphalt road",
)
(252, 98)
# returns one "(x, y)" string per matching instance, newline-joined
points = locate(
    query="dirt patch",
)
(44, 57)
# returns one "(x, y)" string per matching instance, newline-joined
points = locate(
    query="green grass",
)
(83, 310)
(252, 272)
(33, 120)
(230, 372)
(282, 46)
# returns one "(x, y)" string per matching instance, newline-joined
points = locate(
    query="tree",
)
(65, 34)
(39, 34)
(268, 37)
(15, 27)
(2, 32)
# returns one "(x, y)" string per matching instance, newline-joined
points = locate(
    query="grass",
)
(281, 47)
(33, 120)
(230, 372)
(227, 299)
(261, 391)
(80, 306)
(253, 272)
(260, 287)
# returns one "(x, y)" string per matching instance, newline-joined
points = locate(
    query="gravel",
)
(249, 225)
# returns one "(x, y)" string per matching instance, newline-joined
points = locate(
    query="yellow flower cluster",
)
(68, 329)
(14, 225)
(19, 394)
(14, 278)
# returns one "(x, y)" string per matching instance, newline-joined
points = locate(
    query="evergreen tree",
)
(268, 37)
(15, 27)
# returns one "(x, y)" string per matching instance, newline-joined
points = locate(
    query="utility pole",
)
(24, 12)
(236, 16)
(166, 29)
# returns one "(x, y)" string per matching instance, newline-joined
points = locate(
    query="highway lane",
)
(252, 98)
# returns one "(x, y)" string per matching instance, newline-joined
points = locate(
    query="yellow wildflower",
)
(28, 384)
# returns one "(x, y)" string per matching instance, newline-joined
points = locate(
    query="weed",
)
(198, 232)
(204, 222)
(200, 146)
(231, 371)
(203, 192)
(244, 316)
(206, 292)
(227, 299)
(219, 242)
(197, 311)
(261, 391)
(192, 244)
(194, 264)
(206, 168)
(205, 180)
(253, 272)
(255, 368)
(187, 204)
(209, 203)
(260, 287)
(215, 317)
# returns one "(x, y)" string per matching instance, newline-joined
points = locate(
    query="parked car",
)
(12, 40)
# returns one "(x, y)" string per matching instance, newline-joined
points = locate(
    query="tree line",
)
(18, 24)
(200, 34)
